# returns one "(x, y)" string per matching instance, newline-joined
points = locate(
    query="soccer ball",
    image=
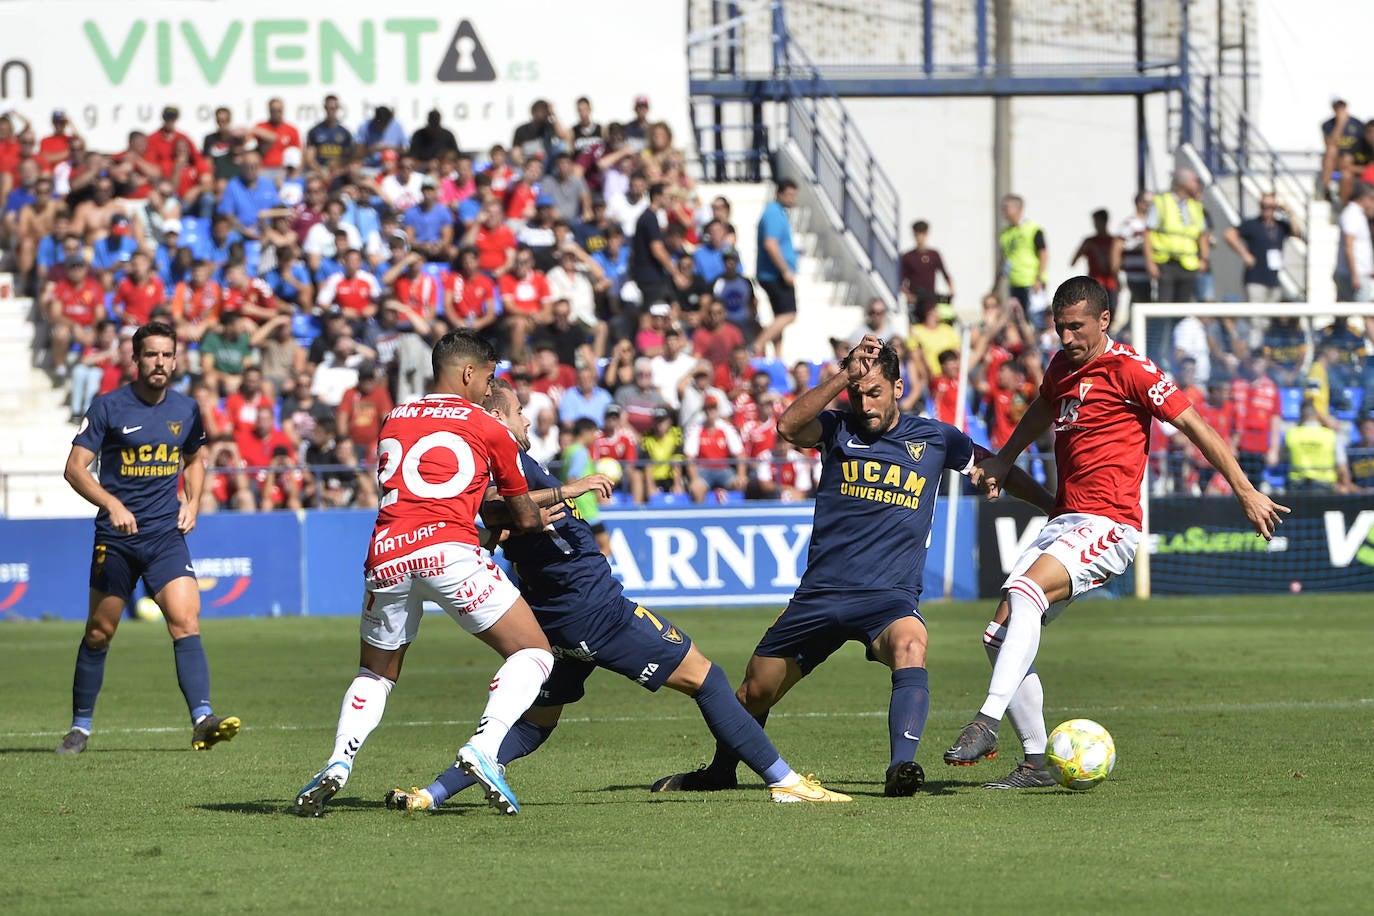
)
(609, 467)
(146, 609)
(1081, 754)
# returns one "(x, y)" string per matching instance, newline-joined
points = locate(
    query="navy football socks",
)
(907, 711)
(736, 731)
(193, 675)
(90, 673)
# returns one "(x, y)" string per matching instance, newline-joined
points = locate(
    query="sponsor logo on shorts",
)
(471, 598)
(389, 574)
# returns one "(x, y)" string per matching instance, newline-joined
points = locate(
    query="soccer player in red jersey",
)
(1099, 396)
(437, 457)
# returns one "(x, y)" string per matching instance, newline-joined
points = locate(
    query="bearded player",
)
(874, 507)
(436, 457)
(1099, 396)
(591, 623)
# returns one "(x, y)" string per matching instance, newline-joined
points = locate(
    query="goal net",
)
(1289, 387)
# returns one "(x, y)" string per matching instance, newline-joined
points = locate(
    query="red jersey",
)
(257, 451)
(420, 292)
(492, 247)
(287, 136)
(162, 149)
(526, 296)
(365, 413)
(139, 299)
(467, 297)
(944, 393)
(351, 294)
(743, 410)
(11, 154)
(713, 445)
(620, 445)
(196, 305)
(258, 293)
(564, 378)
(519, 202)
(243, 412)
(1256, 404)
(1006, 407)
(1222, 419)
(1102, 417)
(80, 305)
(759, 437)
(437, 456)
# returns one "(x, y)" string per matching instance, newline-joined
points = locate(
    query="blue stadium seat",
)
(816, 373)
(252, 255)
(193, 229)
(1276, 476)
(781, 381)
(729, 497)
(1290, 403)
(660, 500)
(977, 430)
(436, 270)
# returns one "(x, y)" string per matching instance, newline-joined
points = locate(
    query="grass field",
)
(1244, 782)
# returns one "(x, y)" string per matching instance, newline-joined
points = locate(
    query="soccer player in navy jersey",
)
(147, 436)
(874, 507)
(591, 624)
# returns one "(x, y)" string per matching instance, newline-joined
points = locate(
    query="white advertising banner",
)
(114, 66)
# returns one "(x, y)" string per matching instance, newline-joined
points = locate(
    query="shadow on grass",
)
(93, 750)
(275, 806)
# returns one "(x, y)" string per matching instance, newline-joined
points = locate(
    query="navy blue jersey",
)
(141, 447)
(876, 501)
(560, 585)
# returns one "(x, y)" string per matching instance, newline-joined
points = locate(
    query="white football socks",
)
(1028, 604)
(1027, 707)
(362, 710)
(513, 688)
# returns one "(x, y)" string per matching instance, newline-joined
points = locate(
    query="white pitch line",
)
(1358, 703)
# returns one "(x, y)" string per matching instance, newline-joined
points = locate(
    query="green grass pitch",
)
(1244, 781)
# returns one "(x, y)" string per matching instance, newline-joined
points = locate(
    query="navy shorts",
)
(119, 562)
(625, 638)
(817, 623)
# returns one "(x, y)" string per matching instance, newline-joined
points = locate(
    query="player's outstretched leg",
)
(522, 740)
(363, 705)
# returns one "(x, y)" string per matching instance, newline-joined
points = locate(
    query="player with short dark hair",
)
(1100, 397)
(147, 437)
(591, 624)
(436, 456)
(874, 507)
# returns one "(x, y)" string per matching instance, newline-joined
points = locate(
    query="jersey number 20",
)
(393, 457)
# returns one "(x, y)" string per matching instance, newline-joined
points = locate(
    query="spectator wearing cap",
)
(338, 371)
(247, 195)
(695, 390)
(162, 143)
(591, 232)
(637, 129)
(641, 397)
(362, 409)
(380, 132)
(736, 292)
(538, 234)
(429, 224)
(586, 399)
(673, 366)
(73, 305)
(56, 146)
(522, 199)
(662, 445)
(619, 442)
(113, 251)
(569, 190)
(714, 451)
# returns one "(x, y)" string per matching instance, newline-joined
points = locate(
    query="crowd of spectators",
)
(307, 272)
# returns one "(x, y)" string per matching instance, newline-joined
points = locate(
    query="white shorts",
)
(1093, 549)
(462, 579)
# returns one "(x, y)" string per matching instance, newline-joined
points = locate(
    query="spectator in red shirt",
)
(1007, 401)
(162, 143)
(520, 201)
(759, 433)
(56, 147)
(547, 375)
(275, 137)
(527, 302)
(1099, 250)
(1258, 418)
(261, 438)
(944, 389)
(75, 303)
(619, 442)
(195, 302)
(492, 238)
(355, 291)
(714, 450)
(716, 338)
(362, 410)
(248, 296)
(245, 405)
(139, 292)
(469, 294)
(89, 370)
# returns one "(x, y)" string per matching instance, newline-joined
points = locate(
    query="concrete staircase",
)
(824, 308)
(37, 434)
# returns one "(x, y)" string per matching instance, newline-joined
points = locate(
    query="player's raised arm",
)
(494, 511)
(798, 423)
(1264, 514)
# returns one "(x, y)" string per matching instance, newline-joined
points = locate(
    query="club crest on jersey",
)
(174, 426)
(915, 450)
(672, 635)
(1083, 388)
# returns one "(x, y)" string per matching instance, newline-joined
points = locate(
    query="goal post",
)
(1331, 522)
